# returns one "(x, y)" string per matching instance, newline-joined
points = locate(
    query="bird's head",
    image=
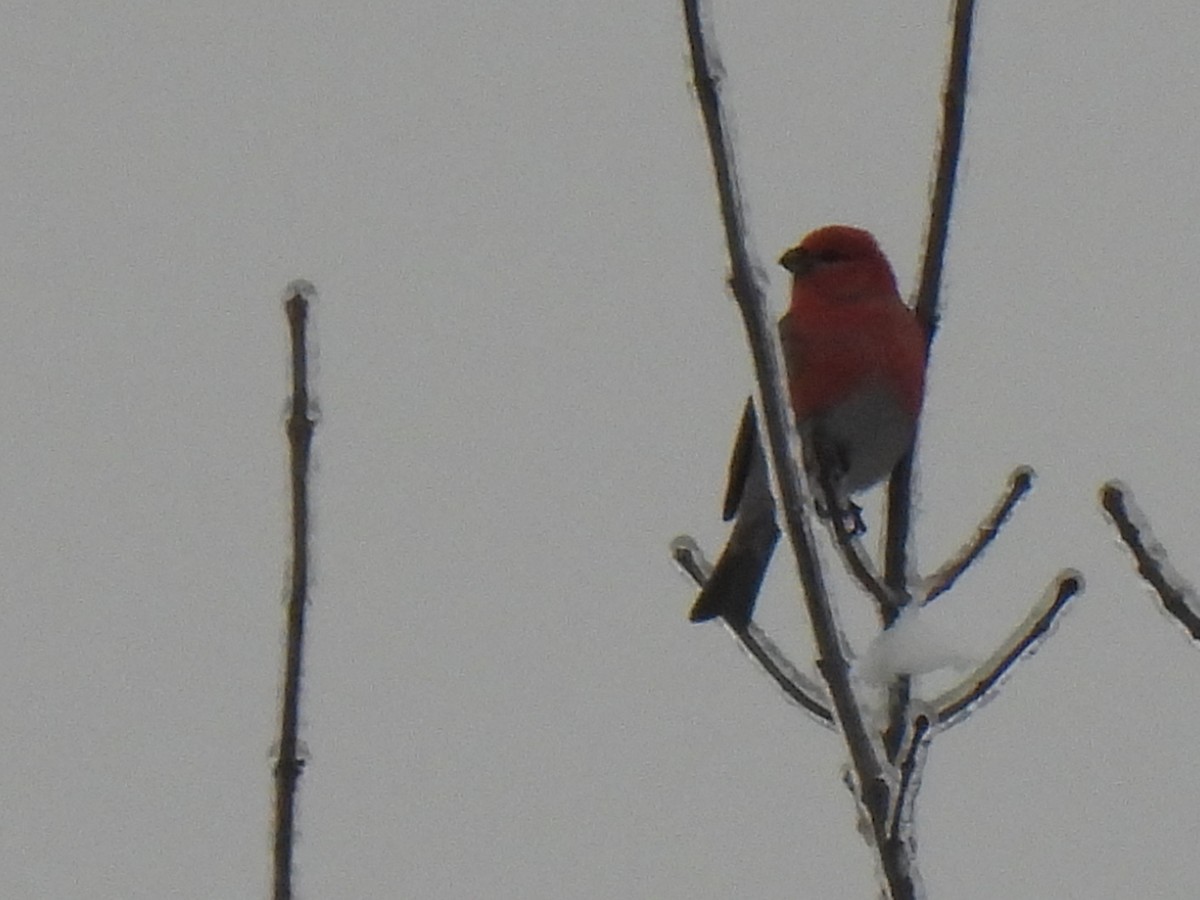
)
(842, 262)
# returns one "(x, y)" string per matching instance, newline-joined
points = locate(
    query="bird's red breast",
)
(855, 353)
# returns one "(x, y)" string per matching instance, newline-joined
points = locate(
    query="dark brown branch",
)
(1019, 484)
(686, 554)
(859, 565)
(899, 494)
(899, 523)
(797, 686)
(911, 762)
(1024, 640)
(289, 764)
(851, 550)
(768, 369)
(794, 684)
(831, 662)
(954, 103)
(1178, 597)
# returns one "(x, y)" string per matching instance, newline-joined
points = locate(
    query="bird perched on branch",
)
(855, 357)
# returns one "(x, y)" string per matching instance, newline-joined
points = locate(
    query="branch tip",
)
(1178, 597)
(797, 687)
(1024, 640)
(1020, 482)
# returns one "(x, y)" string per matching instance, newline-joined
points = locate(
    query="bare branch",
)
(954, 104)
(1019, 484)
(782, 438)
(911, 763)
(1178, 597)
(851, 550)
(1024, 640)
(863, 570)
(686, 554)
(795, 685)
(899, 494)
(798, 687)
(289, 764)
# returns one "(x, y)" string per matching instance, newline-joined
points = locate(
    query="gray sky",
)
(529, 377)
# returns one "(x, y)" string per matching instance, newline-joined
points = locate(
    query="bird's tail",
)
(733, 586)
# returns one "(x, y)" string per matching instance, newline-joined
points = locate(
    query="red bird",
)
(855, 357)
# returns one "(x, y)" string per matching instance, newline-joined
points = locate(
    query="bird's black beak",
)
(798, 261)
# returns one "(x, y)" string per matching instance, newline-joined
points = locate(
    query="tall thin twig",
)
(899, 496)
(1019, 484)
(289, 764)
(873, 784)
(911, 762)
(954, 105)
(1178, 598)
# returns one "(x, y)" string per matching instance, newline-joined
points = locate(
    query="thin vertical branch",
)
(873, 785)
(899, 498)
(289, 764)
(910, 761)
(954, 104)
(1178, 598)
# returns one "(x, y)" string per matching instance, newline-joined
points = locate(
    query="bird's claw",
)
(849, 517)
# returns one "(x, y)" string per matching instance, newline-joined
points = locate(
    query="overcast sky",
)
(529, 376)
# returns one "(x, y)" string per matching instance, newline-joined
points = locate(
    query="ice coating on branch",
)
(690, 558)
(300, 288)
(914, 645)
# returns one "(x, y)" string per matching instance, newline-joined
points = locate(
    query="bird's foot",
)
(849, 517)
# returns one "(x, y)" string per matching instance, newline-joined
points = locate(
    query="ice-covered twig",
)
(1019, 484)
(874, 783)
(1025, 639)
(300, 425)
(795, 685)
(1178, 597)
(851, 550)
(941, 202)
(691, 559)
(782, 439)
(912, 760)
